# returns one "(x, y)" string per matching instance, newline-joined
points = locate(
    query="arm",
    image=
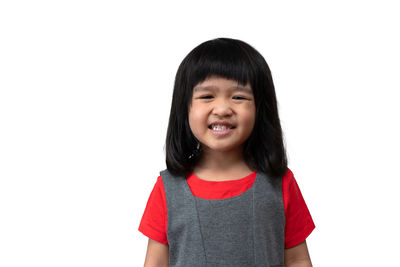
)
(298, 256)
(157, 254)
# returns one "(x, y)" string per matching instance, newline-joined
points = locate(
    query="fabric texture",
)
(298, 221)
(246, 230)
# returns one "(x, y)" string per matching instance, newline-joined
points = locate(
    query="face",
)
(222, 114)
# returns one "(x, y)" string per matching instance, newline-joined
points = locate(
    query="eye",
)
(206, 97)
(239, 98)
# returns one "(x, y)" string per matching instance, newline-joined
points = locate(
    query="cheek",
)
(197, 120)
(248, 123)
(249, 116)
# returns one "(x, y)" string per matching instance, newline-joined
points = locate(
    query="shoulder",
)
(166, 174)
(288, 177)
(169, 180)
(289, 184)
(157, 194)
(159, 183)
(290, 189)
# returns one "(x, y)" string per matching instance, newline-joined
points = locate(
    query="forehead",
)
(218, 83)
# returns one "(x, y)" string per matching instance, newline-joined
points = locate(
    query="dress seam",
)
(201, 233)
(253, 223)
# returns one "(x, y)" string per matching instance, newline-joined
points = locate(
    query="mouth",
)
(221, 127)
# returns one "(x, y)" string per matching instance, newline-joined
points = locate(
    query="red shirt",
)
(298, 226)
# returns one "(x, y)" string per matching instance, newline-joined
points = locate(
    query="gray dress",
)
(245, 230)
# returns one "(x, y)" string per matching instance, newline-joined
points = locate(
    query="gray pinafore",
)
(245, 230)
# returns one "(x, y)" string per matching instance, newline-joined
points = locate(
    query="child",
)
(227, 197)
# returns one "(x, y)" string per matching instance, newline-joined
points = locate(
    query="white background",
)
(85, 94)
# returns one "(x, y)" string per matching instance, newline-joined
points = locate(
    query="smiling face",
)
(222, 114)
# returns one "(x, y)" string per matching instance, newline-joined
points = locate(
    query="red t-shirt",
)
(298, 226)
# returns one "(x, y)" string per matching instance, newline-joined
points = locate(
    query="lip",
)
(230, 128)
(221, 132)
(222, 123)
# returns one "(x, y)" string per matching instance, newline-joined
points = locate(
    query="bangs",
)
(220, 58)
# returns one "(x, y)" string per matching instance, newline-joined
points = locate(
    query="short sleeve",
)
(154, 219)
(299, 223)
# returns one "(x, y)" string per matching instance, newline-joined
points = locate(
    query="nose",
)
(222, 108)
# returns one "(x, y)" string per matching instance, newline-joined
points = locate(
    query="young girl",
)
(227, 197)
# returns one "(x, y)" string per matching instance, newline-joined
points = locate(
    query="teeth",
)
(219, 127)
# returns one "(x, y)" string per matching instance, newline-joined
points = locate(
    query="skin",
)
(221, 100)
(298, 256)
(157, 254)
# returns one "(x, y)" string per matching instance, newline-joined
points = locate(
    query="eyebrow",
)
(236, 88)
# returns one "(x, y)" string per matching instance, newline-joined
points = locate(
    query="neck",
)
(217, 165)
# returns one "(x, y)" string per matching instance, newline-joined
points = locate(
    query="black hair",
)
(235, 60)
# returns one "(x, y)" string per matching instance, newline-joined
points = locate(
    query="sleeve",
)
(299, 223)
(154, 219)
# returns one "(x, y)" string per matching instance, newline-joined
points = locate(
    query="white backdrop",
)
(85, 94)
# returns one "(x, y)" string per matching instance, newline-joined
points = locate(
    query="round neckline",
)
(197, 182)
(195, 179)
